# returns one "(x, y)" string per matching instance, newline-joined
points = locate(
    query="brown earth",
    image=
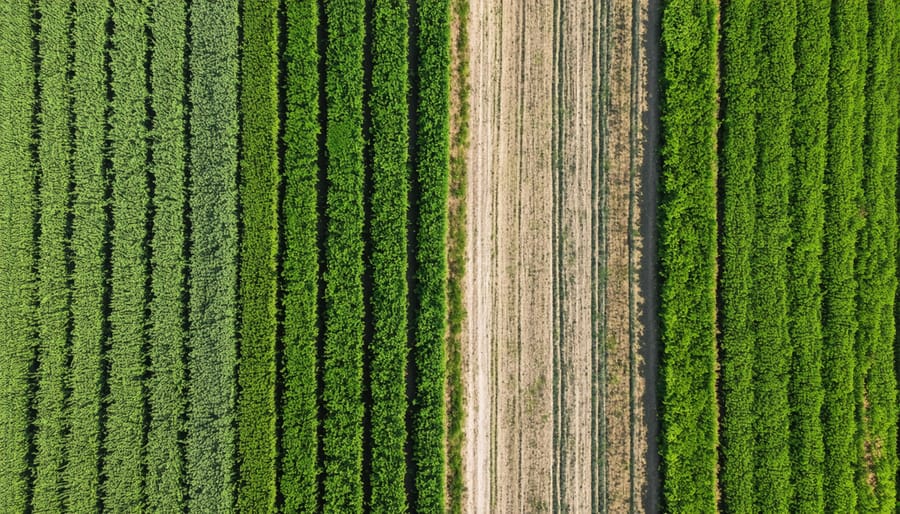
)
(559, 354)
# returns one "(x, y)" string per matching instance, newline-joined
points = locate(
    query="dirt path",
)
(559, 358)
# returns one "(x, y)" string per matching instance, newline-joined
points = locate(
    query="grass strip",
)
(688, 228)
(259, 180)
(212, 352)
(299, 411)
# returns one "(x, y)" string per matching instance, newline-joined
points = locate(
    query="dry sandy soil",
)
(560, 347)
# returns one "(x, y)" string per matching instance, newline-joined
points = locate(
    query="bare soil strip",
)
(560, 403)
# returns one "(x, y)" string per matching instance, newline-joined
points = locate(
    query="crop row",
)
(432, 167)
(259, 179)
(387, 355)
(688, 231)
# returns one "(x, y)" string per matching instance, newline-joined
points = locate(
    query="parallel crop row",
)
(53, 159)
(876, 386)
(300, 414)
(123, 438)
(166, 335)
(17, 205)
(210, 451)
(342, 377)
(88, 252)
(804, 260)
(842, 222)
(740, 34)
(432, 166)
(390, 186)
(259, 179)
(687, 255)
(772, 348)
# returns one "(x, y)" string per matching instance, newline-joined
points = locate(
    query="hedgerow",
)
(89, 213)
(741, 44)
(876, 387)
(810, 130)
(773, 348)
(842, 222)
(300, 413)
(123, 429)
(390, 186)
(432, 167)
(259, 181)
(342, 377)
(166, 335)
(688, 255)
(53, 295)
(17, 287)
(212, 93)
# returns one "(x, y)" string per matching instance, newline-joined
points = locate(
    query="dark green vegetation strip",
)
(259, 245)
(17, 205)
(300, 414)
(165, 455)
(741, 38)
(876, 387)
(842, 222)
(123, 440)
(773, 348)
(804, 259)
(433, 162)
(88, 279)
(212, 92)
(687, 255)
(456, 253)
(343, 257)
(390, 186)
(53, 318)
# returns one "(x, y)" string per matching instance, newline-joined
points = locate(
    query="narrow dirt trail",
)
(559, 354)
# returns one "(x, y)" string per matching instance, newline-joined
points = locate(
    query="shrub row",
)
(432, 166)
(300, 413)
(741, 43)
(166, 337)
(17, 205)
(259, 182)
(810, 130)
(212, 157)
(123, 436)
(876, 387)
(773, 348)
(842, 222)
(89, 216)
(342, 378)
(390, 187)
(688, 232)
(53, 296)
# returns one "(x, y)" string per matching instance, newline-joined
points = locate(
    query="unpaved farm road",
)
(560, 351)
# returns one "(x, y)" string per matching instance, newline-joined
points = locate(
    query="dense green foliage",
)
(741, 43)
(842, 221)
(89, 217)
(432, 170)
(300, 413)
(342, 379)
(53, 294)
(390, 187)
(687, 255)
(876, 267)
(212, 91)
(810, 130)
(259, 180)
(773, 348)
(17, 204)
(123, 436)
(166, 335)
